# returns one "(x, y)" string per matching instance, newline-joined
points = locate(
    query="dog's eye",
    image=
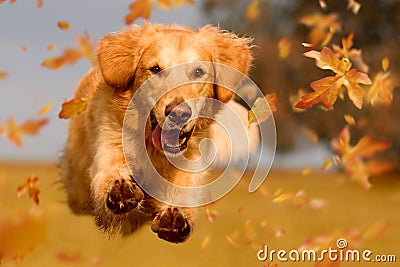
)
(198, 73)
(155, 69)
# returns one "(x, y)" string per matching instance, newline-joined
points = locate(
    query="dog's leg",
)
(113, 189)
(174, 224)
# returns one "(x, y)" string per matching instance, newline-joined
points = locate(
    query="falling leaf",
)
(63, 25)
(317, 203)
(72, 55)
(310, 134)
(211, 214)
(165, 4)
(232, 241)
(280, 232)
(280, 196)
(385, 64)
(30, 185)
(326, 90)
(68, 257)
(354, 158)
(45, 109)
(284, 47)
(205, 242)
(139, 8)
(323, 27)
(326, 164)
(253, 10)
(323, 4)
(306, 171)
(346, 51)
(354, 6)
(15, 132)
(262, 109)
(349, 119)
(3, 75)
(72, 108)
(39, 3)
(51, 47)
(24, 48)
(294, 98)
(376, 230)
(381, 91)
(20, 234)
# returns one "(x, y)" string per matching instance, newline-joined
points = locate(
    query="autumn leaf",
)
(284, 47)
(20, 234)
(323, 4)
(262, 109)
(3, 75)
(143, 8)
(381, 91)
(326, 90)
(376, 230)
(346, 51)
(71, 55)
(385, 64)
(63, 25)
(15, 132)
(354, 158)
(72, 108)
(253, 10)
(30, 186)
(323, 27)
(354, 6)
(350, 120)
(39, 3)
(45, 109)
(205, 242)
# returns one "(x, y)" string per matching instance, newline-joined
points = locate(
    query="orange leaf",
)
(3, 75)
(15, 132)
(327, 60)
(165, 4)
(323, 27)
(349, 119)
(45, 109)
(39, 3)
(385, 63)
(262, 108)
(253, 10)
(381, 91)
(51, 47)
(71, 55)
(72, 108)
(30, 185)
(139, 8)
(284, 47)
(63, 25)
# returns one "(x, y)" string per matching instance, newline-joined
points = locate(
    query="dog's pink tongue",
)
(170, 138)
(156, 138)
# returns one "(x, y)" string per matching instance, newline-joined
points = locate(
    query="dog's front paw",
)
(171, 225)
(124, 196)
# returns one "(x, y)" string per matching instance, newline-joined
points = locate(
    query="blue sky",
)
(29, 86)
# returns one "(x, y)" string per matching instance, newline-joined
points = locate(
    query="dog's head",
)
(130, 58)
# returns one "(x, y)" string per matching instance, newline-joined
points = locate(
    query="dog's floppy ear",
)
(118, 56)
(228, 49)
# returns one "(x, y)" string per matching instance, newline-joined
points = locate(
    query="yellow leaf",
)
(284, 47)
(349, 119)
(165, 4)
(385, 63)
(45, 109)
(326, 164)
(262, 109)
(205, 242)
(253, 10)
(72, 108)
(63, 25)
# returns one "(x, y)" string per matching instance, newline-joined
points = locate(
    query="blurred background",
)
(310, 198)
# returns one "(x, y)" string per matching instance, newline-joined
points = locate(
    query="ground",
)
(229, 232)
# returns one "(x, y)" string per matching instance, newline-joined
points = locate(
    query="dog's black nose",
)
(178, 113)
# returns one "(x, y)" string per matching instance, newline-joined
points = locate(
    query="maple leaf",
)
(262, 109)
(63, 25)
(353, 158)
(30, 186)
(3, 75)
(326, 90)
(284, 47)
(72, 55)
(323, 27)
(143, 8)
(253, 10)
(15, 132)
(72, 108)
(346, 51)
(381, 91)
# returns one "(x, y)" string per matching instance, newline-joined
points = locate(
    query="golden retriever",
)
(93, 166)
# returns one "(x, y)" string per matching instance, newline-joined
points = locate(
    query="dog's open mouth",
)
(172, 141)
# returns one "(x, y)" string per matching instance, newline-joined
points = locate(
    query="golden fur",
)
(93, 166)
